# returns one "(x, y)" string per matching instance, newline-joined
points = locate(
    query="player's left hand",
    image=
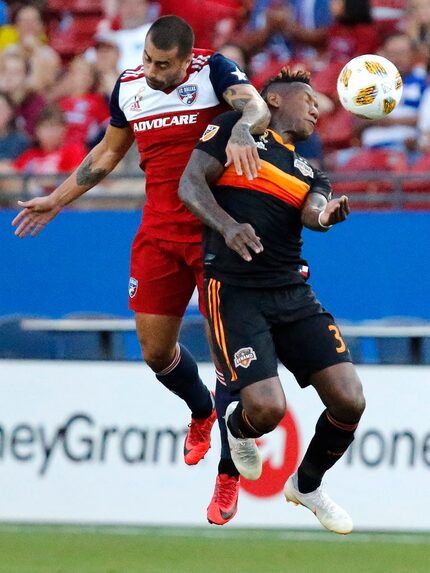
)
(242, 238)
(336, 211)
(242, 151)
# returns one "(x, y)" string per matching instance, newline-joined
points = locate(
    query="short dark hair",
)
(356, 12)
(286, 76)
(52, 113)
(169, 32)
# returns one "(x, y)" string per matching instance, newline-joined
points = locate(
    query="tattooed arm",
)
(241, 149)
(195, 192)
(101, 160)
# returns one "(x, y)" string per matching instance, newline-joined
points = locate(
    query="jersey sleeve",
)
(216, 135)
(321, 184)
(225, 73)
(117, 116)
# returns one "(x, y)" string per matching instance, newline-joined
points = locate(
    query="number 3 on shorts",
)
(342, 346)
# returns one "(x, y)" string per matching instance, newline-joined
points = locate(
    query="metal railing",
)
(127, 191)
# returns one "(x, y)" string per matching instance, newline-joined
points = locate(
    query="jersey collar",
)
(278, 139)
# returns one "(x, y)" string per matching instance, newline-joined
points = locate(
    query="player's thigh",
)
(157, 335)
(194, 258)
(310, 344)
(240, 333)
(161, 281)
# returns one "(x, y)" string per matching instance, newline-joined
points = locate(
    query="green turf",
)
(25, 549)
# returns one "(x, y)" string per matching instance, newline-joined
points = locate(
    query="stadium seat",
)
(58, 6)
(87, 6)
(422, 167)
(426, 351)
(336, 129)
(76, 37)
(372, 166)
(18, 343)
(400, 350)
(89, 345)
(75, 6)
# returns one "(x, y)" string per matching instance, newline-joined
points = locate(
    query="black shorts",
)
(253, 328)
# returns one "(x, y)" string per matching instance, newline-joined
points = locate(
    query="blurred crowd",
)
(59, 60)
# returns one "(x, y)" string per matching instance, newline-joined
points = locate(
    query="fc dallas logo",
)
(187, 94)
(280, 450)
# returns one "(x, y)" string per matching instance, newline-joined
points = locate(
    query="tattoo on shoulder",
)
(239, 103)
(88, 176)
(237, 100)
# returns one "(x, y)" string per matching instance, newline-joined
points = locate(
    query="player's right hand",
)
(34, 215)
(241, 237)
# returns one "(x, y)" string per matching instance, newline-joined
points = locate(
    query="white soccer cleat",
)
(244, 451)
(330, 515)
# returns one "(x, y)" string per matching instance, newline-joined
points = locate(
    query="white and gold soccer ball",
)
(369, 86)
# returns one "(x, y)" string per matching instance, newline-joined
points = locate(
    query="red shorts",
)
(163, 275)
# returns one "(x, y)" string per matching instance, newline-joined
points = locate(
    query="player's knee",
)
(267, 416)
(156, 358)
(350, 404)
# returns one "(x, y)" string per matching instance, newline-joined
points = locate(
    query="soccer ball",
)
(369, 86)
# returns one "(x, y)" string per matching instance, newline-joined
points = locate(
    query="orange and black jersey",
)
(271, 203)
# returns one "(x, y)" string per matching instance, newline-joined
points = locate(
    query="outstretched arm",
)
(241, 149)
(101, 160)
(194, 191)
(319, 214)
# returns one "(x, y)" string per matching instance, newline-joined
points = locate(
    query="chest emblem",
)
(304, 168)
(187, 94)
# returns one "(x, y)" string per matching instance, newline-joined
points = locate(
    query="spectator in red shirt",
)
(86, 111)
(52, 154)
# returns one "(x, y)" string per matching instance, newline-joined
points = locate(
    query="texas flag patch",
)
(303, 270)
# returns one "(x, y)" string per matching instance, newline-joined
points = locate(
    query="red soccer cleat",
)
(223, 505)
(198, 439)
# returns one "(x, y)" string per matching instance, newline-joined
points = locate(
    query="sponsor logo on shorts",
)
(304, 168)
(132, 287)
(187, 94)
(244, 356)
(209, 132)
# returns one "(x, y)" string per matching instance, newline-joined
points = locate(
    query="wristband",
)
(325, 227)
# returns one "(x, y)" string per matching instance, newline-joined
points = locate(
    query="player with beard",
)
(165, 105)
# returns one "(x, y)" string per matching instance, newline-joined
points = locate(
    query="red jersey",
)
(85, 115)
(167, 125)
(39, 162)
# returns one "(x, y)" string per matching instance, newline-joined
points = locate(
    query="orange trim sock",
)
(330, 441)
